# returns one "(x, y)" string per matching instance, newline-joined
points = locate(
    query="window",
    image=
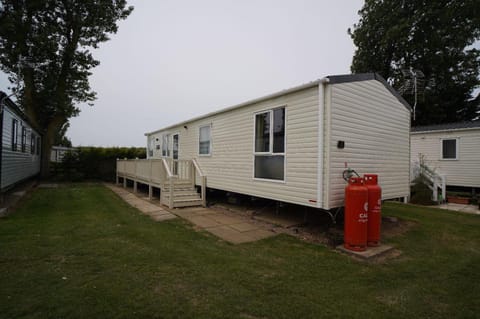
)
(150, 146)
(449, 149)
(24, 139)
(32, 143)
(204, 140)
(14, 134)
(165, 146)
(270, 145)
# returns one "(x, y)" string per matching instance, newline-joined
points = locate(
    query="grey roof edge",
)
(331, 79)
(4, 98)
(456, 126)
(344, 78)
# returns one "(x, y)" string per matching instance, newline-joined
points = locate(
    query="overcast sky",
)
(173, 60)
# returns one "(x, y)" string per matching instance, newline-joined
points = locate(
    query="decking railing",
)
(162, 173)
(433, 180)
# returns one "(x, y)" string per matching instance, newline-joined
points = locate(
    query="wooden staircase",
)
(184, 194)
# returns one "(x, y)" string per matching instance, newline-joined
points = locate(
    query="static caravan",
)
(449, 150)
(20, 147)
(291, 146)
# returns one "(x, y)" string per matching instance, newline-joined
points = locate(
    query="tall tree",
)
(45, 48)
(435, 37)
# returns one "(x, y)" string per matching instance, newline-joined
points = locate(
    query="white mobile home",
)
(292, 146)
(20, 147)
(451, 150)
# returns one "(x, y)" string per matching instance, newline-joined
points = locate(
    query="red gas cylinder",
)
(356, 215)
(374, 209)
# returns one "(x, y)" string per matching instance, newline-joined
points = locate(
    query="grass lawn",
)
(80, 252)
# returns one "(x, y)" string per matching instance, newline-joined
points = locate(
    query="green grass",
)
(80, 252)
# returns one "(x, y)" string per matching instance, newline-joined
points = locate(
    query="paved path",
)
(231, 228)
(472, 209)
(155, 212)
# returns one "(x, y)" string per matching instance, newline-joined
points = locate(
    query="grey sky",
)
(172, 60)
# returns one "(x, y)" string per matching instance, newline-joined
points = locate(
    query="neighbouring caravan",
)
(449, 150)
(20, 147)
(291, 146)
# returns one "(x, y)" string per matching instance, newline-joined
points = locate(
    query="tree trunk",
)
(47, 143)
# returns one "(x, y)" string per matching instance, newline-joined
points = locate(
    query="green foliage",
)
(421, 194)
(45, 49)
(81, 252)
(95, 163)
(60, 136)
(435, 37)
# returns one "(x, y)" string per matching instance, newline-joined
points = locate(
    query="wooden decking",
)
(176, 179)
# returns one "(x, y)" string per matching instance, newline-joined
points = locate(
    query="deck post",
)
(124, 182)
(203, 190)
(150, 191)
(134, 186)
(171, 193)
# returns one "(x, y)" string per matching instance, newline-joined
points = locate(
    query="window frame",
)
(32, 143)
(271, 137)
(14, 134)
(456, 139)
(24, 139)
(165, 136)
(209, 141)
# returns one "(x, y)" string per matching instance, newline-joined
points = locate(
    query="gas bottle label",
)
(363, 217)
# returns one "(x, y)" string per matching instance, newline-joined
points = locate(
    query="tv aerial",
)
(414, 84)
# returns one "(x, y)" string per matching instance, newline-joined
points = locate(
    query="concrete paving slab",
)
(230, 235)
(225, 219)
(203, 221)
(243, 227)
(370, 253)
(472, 209)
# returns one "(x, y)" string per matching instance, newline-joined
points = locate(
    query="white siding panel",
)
(16, 165)
(230, 166)
(375, 127)
(465, 171)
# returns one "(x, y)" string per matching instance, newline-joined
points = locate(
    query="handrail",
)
(435, 181)
(167, 168)
(197, 167)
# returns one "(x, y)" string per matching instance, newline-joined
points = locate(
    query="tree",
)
(45, 48)
(435, 37)
(60, 138)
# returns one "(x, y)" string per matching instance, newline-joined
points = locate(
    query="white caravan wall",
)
(230, 166)
(375, 127)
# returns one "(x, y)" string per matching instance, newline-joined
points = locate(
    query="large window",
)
(151, 141)
(204, 140)
(449, 149)
(14, 134)
(270, 144)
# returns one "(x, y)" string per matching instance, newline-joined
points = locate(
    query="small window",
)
(32, 144)
(24, 139)
(14, 134)
(270, 145)
(204, 140)
(449, 149)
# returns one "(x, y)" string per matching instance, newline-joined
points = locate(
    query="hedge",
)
(94, 163)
